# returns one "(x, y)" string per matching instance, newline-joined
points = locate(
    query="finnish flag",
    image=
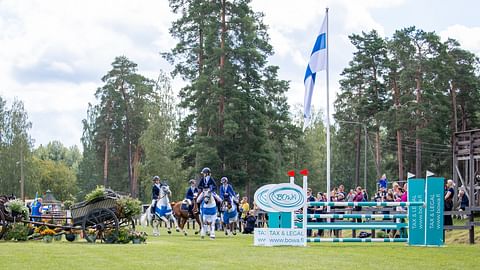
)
(318, 62)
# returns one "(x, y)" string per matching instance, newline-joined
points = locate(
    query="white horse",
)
(208, 212)
(163, 212)
(229, 215)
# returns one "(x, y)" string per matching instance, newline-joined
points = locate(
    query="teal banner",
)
(274, 220)
(416, 214)
(286, 220)
(434, 211)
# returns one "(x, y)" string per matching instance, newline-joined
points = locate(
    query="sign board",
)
(261, 199)
(416, 214)
(279, 237)
(286, 197)
(434, 211)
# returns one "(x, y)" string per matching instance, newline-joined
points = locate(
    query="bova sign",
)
(281, 197)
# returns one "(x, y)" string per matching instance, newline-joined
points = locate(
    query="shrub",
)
(67, 204)
(98, 192)
(124, 236)
(17, 231)
(128, 207)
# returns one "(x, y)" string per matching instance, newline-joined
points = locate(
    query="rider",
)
(207, 181)
(226, 188)
(191, 194)
(155, 193)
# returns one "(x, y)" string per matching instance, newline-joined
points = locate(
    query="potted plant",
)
(57, 237)
(110, 236)
(91, 235)
(124, 236)
(16, 208)
(47, 235)
(138, 237)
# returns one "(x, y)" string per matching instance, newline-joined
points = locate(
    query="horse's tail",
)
(144, 218)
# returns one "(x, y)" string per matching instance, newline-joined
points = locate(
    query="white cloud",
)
(54, 54)
(469, 37)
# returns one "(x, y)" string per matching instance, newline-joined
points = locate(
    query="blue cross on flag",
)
(318, 62)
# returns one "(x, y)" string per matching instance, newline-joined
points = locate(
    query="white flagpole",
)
(328, 120)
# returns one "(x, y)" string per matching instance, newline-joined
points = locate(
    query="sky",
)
(53, 53)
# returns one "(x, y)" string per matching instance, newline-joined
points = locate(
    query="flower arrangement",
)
(17, 207)
(138, 237)
(47, 231)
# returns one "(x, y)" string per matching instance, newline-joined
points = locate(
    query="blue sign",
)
(416, 214)
(434, 211)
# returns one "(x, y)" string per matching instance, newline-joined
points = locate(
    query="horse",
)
(180, 209)
(229, 215)
(163, 212)
(208, 212)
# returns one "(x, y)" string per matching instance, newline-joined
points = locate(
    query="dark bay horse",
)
(182, 214)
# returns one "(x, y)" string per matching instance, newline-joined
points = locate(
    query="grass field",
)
(178, 252)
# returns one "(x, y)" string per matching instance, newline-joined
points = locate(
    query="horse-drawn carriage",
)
(99, 218)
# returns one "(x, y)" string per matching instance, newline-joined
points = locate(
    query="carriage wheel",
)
(3, 224)
(103, 222)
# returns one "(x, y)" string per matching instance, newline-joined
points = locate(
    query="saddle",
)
(184, 206)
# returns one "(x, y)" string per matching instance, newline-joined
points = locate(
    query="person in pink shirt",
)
(404, 197)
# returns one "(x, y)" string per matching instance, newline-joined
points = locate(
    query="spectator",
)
(320, 210)
(383, 182)
(310, 209)
(359, 197)
(37, 209)
(463, 199)
(340, 197)
(448, 206)
(351, 195)
(244, 209)
(250, 220)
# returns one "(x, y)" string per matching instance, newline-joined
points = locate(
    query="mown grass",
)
(178, 252)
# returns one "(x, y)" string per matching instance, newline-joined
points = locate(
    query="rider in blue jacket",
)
(226, 188)
(191, 194)
(155, 193)
(207, 181)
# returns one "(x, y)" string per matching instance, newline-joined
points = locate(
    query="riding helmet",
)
(206, 170)
(156, 177)
(224, 180)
